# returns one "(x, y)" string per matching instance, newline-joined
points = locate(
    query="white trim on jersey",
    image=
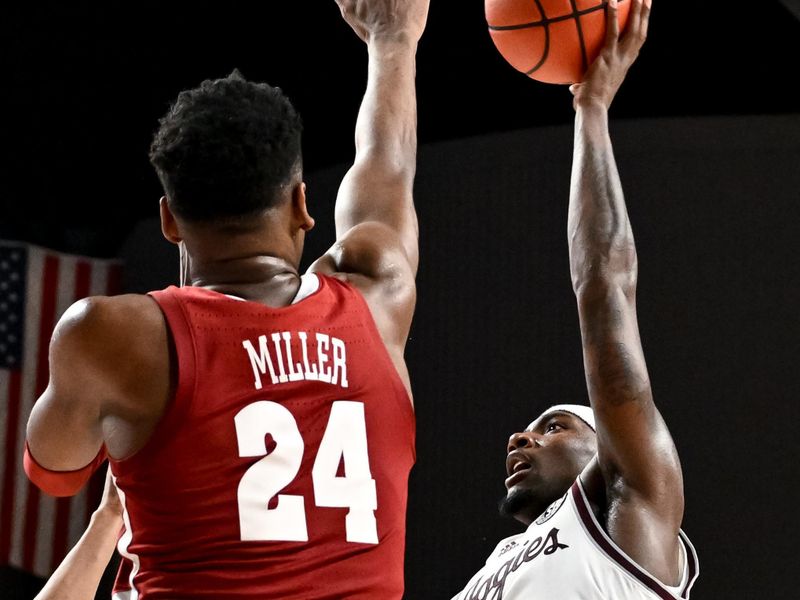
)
(122, 547)
(607, 546)
(565, 553)
(309, 283)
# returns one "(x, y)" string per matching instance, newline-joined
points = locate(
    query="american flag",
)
(36, 287)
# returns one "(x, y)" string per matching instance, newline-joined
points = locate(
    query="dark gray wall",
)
(714, 205)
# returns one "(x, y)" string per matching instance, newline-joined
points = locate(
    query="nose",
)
(522, 439)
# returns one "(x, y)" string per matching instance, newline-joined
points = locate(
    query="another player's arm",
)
(636, 454)
(79, 574)
(376, 224)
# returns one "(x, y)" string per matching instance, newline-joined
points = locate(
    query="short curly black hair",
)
(224, 149)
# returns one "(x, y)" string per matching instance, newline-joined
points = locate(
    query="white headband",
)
(584, 413)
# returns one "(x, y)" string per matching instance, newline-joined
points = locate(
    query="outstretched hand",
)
(386, 19)
(607, 72)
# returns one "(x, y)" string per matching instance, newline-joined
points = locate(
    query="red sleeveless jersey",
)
(280, 469)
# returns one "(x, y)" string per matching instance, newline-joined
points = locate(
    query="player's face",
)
(543, 461)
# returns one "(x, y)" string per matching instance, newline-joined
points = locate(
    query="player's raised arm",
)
(636, 455)
(376, 224)
(378, 187)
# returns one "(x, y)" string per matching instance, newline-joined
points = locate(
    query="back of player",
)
(285, 451)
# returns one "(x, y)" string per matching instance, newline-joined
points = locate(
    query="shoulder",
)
(357, 253)
(102, 329)
(106, 316)
(372, 258)
(382, 272)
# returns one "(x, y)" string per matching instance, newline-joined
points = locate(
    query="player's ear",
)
(303, 219)
(169, 226)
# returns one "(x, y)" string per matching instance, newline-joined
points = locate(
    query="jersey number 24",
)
(345, 439)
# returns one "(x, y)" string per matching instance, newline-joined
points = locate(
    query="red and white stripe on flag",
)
(36, 287)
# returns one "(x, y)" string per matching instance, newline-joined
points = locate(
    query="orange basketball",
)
(553, 41)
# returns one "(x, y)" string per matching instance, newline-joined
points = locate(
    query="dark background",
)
(84, 84)
(707, 137)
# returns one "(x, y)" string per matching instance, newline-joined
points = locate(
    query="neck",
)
(271, 280)
(242, 269)
(256, 260)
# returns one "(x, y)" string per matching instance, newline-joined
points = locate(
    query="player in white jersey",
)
(566, 552)
(600, 489)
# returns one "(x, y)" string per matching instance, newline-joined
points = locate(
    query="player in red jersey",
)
(259, 423)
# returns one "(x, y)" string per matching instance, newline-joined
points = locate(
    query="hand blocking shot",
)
(599, 488)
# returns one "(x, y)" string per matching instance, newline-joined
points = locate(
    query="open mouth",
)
(517, 472)
(516, 461)
(520, 466)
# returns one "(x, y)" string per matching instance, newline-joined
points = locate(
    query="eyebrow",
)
(553, 415)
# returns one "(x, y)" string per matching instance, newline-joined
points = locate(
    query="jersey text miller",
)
(323, 359)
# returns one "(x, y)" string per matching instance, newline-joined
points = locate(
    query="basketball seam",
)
(546, 50)
(584, 57)
(546, 21)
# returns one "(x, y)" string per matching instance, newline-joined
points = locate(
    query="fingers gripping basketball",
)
(553, 41)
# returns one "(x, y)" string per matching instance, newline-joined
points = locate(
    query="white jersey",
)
(566, 555)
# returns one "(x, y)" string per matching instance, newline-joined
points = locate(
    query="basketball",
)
(553, 41)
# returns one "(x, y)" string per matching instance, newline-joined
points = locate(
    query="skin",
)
(546, 458)
(101, 346)
(77, 576)
(635, 482)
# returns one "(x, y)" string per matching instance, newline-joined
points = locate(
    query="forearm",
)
(378, 186)
(386, 129)
(632, 439)
(601, 245)
(79, 574)
(603, 261)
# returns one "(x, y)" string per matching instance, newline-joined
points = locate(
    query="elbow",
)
(389, 163)
(589, 289)
(594, 275)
